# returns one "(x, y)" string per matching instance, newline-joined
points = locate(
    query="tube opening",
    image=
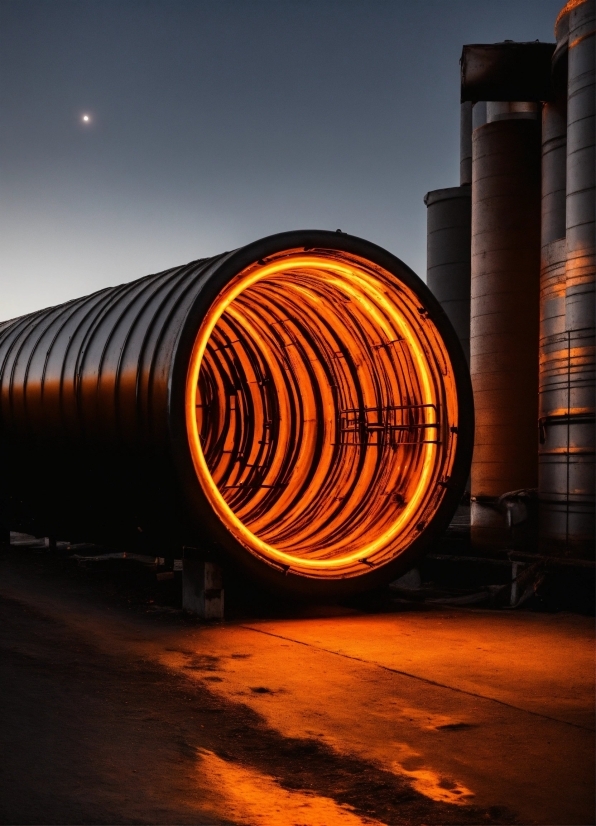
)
(321, 412)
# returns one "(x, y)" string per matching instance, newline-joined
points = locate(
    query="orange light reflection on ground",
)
(243, 794)
(319, 405)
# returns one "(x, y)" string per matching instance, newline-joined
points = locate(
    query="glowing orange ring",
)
(358, 283)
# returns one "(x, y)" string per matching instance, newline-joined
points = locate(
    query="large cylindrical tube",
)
(448, 216)
(504, 317)
(300, 406)
(580, 277)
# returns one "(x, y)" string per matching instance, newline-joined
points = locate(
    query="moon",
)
(86, 119)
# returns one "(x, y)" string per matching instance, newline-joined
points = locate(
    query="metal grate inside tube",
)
(321, 412)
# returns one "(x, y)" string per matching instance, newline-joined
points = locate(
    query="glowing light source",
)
(86, 119)
(320, 412)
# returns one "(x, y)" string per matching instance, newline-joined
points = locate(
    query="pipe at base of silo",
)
(504, 316)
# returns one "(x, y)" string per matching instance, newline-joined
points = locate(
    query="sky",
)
(212, 123)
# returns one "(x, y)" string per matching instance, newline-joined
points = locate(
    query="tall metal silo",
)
(512, 78)
(553, 347)
(567, 386)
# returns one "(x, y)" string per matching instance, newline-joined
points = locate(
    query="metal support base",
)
(202, 589)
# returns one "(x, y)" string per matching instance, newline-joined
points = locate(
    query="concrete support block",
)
(202, 589)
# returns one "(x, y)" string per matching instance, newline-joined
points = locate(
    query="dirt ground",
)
(116, 709)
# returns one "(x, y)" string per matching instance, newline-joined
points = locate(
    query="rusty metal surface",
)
(93, 438)
(507, 71)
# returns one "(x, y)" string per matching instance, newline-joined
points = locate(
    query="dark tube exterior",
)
(93, 439)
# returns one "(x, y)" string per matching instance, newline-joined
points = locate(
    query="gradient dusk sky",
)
(215, 122)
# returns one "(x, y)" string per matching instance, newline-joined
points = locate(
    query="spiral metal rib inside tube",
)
(321, 412)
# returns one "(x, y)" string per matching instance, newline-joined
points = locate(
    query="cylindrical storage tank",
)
(580, 277)
(504, 318)
(448, 237)
(553, 349)
(299, 407)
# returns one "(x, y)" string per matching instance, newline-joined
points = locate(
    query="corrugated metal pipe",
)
(300, 407)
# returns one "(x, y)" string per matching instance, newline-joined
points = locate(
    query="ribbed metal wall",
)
(84, 395)
(554, 350)
(567, 386)
(553, 347)
(504, 317)
(580, 277)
